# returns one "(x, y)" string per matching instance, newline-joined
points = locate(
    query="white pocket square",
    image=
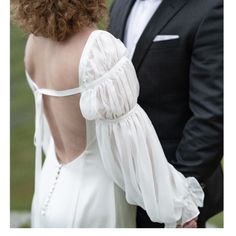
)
(165, 37)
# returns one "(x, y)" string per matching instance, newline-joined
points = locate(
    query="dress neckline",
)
(72, 91)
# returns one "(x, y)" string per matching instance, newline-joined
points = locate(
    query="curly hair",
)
(56, 19)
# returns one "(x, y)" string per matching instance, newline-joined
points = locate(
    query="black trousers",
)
(143, 221)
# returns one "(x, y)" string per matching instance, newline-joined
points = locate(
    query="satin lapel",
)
(125, 9)
(166, 11)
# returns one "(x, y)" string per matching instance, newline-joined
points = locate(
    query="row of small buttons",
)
(45, 206)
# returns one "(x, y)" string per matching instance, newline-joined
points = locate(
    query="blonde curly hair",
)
(56, 19)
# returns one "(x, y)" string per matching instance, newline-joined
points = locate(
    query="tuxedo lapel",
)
(122, 17)
(166, 11)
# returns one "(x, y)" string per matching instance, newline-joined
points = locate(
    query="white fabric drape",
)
(128, 143)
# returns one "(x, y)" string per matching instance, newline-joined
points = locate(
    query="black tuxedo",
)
(181, 88)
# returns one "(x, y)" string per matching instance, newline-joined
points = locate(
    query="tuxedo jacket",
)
(181, 85)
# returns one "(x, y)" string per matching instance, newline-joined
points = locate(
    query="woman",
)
(103, 156)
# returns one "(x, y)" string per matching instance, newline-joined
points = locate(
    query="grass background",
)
(22, 130)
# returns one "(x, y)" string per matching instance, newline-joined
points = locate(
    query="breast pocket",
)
(165, 45)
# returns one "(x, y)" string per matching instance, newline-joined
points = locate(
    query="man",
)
(176, 48)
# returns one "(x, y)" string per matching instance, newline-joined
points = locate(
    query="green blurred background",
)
(22, 130)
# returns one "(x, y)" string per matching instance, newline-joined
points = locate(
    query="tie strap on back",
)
(39, 121)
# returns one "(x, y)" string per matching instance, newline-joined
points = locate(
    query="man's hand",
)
(190, 224)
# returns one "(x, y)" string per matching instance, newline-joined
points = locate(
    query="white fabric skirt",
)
(79, 194)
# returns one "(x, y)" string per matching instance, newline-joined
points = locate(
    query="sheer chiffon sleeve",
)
(128, 143)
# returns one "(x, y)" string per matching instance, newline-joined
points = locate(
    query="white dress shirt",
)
(138, 19)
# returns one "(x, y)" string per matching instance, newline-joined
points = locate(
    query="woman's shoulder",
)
(29, 51)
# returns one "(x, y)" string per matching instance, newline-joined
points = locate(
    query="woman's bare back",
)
(55, 65)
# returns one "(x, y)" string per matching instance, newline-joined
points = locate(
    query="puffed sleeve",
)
(129, 146)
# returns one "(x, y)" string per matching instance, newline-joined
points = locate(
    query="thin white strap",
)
(62, 93)
(38, 137)
(54, 93)
(31, 83)
(123, 117)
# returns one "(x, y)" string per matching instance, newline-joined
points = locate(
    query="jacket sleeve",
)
(201, 146)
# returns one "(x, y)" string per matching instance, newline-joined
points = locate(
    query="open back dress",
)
(123, 164)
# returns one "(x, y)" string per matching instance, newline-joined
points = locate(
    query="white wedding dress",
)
(123, 164)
